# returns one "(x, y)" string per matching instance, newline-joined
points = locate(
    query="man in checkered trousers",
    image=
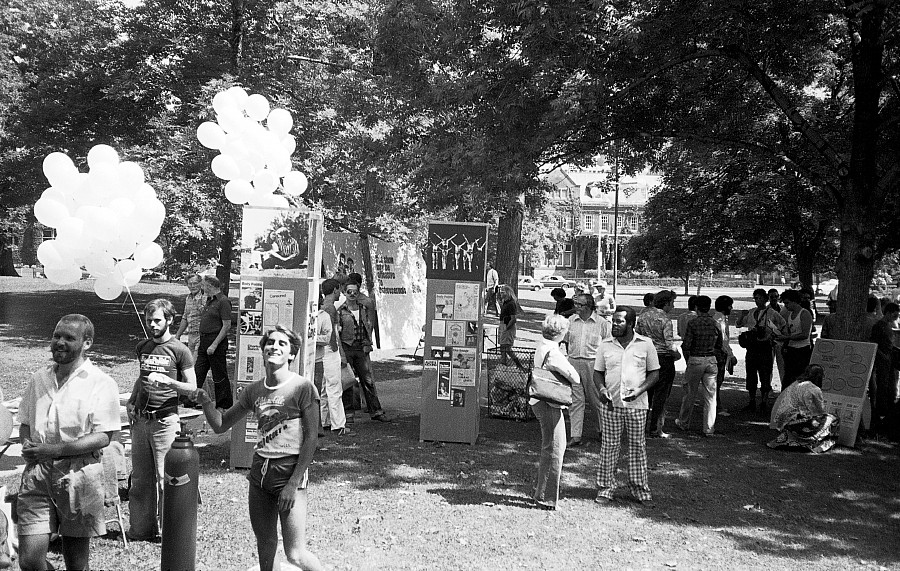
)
(626, 366)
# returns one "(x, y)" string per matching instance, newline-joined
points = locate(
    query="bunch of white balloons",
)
(254, 159)
(105, 220)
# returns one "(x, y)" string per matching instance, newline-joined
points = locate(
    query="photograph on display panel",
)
(455, 252)
(275, 242)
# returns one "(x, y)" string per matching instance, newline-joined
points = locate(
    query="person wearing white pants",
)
(328, 365)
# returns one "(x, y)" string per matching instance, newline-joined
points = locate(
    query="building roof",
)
(594, 184)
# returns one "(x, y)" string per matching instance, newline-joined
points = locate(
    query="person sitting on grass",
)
(799, 415)
(287, 408)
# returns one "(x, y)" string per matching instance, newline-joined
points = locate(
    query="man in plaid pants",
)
(626, 366)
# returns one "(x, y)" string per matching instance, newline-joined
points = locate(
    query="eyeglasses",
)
(578, 304)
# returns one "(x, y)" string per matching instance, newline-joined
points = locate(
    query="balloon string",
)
(138, 313)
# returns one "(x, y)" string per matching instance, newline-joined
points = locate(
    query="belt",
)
(156, 414)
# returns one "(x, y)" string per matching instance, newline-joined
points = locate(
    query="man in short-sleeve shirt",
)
(69, 413)
(626, 366)
(215, 321)
(153, 409)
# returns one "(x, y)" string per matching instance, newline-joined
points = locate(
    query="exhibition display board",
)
(848, 367)
(281, 253)
(455, 269)
(397, 274)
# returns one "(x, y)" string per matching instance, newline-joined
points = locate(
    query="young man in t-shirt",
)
(153, 411)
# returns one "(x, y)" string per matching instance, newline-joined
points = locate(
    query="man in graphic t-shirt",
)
(167, 369)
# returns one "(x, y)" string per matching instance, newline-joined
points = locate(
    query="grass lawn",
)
(383, 500)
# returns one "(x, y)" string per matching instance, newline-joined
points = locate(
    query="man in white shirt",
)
(626, 366)
(490, 289)
(606, 305)
(586, 331)
(69, 414)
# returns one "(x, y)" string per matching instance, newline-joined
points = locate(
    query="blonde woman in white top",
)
(553, 428)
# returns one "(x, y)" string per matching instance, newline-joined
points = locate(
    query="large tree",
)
(808, 84)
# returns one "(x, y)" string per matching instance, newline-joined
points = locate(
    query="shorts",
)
(272, 474)
(63, 496)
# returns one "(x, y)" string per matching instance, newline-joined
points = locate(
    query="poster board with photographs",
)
(848, 367)
(452, 354)
(268, 298)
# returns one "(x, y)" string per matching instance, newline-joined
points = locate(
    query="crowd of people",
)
(619, 362)
(633, 355)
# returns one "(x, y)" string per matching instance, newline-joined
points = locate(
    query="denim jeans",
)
(361, 364)
(150, 441)
(553, 448)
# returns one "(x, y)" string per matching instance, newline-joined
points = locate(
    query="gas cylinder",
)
(180, 496)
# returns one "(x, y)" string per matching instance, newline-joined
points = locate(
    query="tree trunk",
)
(223, 267)
(805, 264)
(863, 201)
(687, 283)
(237, 34)
(509, 243)
(6, 262)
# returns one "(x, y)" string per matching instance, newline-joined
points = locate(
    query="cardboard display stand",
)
(281, 253)
(848, 367)
(455, 270)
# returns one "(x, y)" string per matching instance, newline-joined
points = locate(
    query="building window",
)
(568, 222)
(566, 256)
(48, 234)
(589, 222)
(633, 223)
(604, 223)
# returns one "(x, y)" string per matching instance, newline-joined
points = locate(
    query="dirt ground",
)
(382, 499)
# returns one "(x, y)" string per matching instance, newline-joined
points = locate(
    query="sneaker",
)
(543, 506)
(603, 500)
(659, 435)
(679, 425)
(340, 432)
(723, 412)
(573, 442)
(381, 417)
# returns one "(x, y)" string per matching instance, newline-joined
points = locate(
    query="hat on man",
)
(601, 283)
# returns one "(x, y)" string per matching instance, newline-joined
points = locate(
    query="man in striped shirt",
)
(586, 331)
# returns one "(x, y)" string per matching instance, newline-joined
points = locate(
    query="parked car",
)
(556, 281)
(528, 282)
(154, 275)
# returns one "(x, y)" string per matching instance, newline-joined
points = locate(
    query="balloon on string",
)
(58, 168)
(100, 264)
(50, 212)
(224, 167)
(279, 201)
(289, 144)
(238, 191)
(64, 275)
(295, 183)
(223, 102)
(124, 207)
(107, 288)
(102, 154)
(265, 181)
(127, 273)
(279, 121)
(210, 135)
(70, 230)
(238, 95)
(257, 107)
(49, 255)
(131, 175)
(148, 255)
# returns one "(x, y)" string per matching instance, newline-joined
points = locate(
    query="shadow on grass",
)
(457, 497)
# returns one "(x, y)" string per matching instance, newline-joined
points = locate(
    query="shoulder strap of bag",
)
(546, 356)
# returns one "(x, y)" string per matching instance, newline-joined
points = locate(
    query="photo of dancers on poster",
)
(455, 252)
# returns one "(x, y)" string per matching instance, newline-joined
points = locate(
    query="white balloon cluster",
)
(105, 220)
(254, 159)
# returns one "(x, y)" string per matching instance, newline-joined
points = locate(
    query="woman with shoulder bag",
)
(553, 429)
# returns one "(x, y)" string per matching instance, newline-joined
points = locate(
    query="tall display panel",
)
(281, 259)
(455, 256)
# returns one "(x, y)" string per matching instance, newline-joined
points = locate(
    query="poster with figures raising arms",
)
(455, 252)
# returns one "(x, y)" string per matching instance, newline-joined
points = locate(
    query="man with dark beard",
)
(167, 370)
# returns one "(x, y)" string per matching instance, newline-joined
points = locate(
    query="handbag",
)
(348, 378)
(549, 386)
